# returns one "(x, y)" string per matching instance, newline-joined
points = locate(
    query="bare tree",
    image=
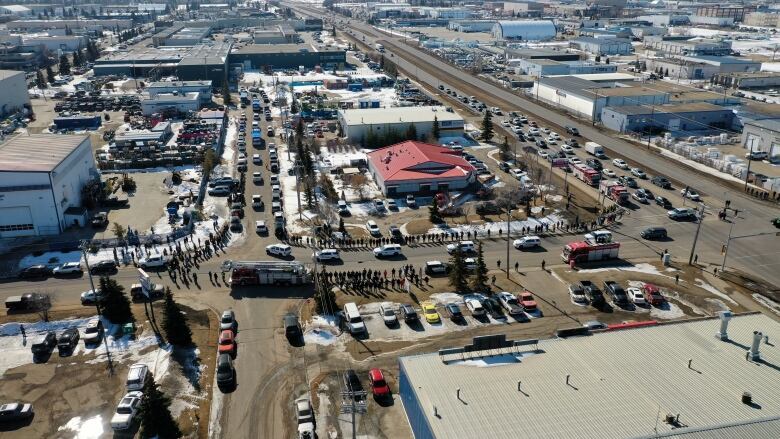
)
(358, 184)
(44, 305)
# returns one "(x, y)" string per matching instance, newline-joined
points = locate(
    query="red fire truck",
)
(596, 246)
(586, 174)
(266, 273)
(614, 191)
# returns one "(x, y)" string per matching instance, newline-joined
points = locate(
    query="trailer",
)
(596, 246)
(614, 191)
(586, 174)
(244, 273)
(595, 149)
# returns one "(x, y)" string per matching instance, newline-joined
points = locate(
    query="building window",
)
(16, 227)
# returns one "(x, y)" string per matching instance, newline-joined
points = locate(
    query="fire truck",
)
(596, 246)
(586, 174)
(614, 191)
(266, 273)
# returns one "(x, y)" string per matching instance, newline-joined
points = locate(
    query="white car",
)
(281, 250)
(638, 172)
(392, 205)
(577, 294)
(373, 228)
(260, 227)
(575, 161)
(543, 154)
(517, 173)
(505, 123)
(527, 242)
(635, 295)
(227, 320)
(387, 250)
(554, 135)
(257, 177)
(435, 267)
(388, 314)
(126, 410)
(378, 204)
(475, 307)
(640, 196)
(326, 254)
(465, 247)
(619, 163)
(690, 193)
(410, 201)
(274, 179)
(567, 149)
(608, 173)
(155, 261)
(68, 268)
(546, 130)
(256, 159)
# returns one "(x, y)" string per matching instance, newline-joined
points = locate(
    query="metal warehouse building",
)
(676, 380)
(525, 30)
(356, 124)
(287, 56)
(13, 92)
(699, 116)
(41, 177)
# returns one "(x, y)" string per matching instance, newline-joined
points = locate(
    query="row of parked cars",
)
(127, 408)
(226, 351)
(588, 293)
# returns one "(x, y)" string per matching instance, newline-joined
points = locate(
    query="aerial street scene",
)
(390, 220)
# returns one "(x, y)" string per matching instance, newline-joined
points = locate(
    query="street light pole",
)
(508, 218)
(83, 248)
(728, 244)
(696, 237)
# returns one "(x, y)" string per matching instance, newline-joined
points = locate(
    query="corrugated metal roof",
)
(392, 115)
(761, 428)
(37, 152)
(622, 384)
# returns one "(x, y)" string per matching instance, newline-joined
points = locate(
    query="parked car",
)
(435, 267)
(527, 301)
(652, 294)
(15, 411)
(292, 327)
(509, 302)
(35, 272)
(228, 320)
(68, 340)
(387, 312)
(527, 242)
(638, 172)
(327, 254)
(408, 313)
(44, 344)
(592, 292)
(757, 155)
(410, 201)
(304, 412)
(430, 313)
(352, 384)
(652, 233)
(103, 267)
(373, 228)
(154, 261)
(493, 308)
(136, 376)
(68, 268)
(620, 163)
(227, 342)
(577, 294)
(387, 250)
(464, 246)
(640, 196)
(608, 173)
(93, 333)
(219, 191)
(682, 214)
(615, 291)
(690, 194)
(99, 220)
(378, 384)
(226, 374)
(663, 202)
(661, 182)
(475, 307)
(635, 296)
(91, 297)
(126, 410)
(279, 250)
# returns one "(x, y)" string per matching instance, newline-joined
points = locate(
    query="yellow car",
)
(431, 315)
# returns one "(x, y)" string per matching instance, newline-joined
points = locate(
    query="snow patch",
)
(669, 311)
(89, 428)
(445, 298)
(767, 302)
(639, 268)
(704, 285)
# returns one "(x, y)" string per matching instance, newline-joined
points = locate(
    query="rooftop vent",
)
(724, 316)
(755, 355)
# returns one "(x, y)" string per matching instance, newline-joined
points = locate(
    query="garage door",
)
(16, 221)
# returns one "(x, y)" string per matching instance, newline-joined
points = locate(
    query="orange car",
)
(227, 342)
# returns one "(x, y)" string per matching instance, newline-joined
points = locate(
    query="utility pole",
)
(728, 244)
(750, 160)
(696, 237)
(83, 247)
(508, 218)
(650, 128)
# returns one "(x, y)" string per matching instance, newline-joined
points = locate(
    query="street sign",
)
(146, 282)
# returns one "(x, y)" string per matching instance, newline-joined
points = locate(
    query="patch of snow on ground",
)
(717, 304)
(89, 428)
(445, 298)
(667, 311)
(16, 350)
(704, 285)
(514, 226)
(767, 302)
(322, 337)
(676, 296)
(640, 268)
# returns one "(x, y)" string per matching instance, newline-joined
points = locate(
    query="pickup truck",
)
(592, 292)
(616, 291)
(99, 220)
(27, 302)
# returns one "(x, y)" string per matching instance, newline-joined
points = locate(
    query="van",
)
(352, 319)
(757, 155)
(652, 233)
(292, 329)
(136, 376)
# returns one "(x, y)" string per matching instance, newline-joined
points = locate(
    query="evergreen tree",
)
(294, 106)
(308, 195)
(40, 81)
(77, 58)
(458, 275)
(342, 229)
(505, 153)
(436, 130)
(327, 188)
(64, 65)
(49, 73)
(480, 280)
(487, 126)
(174, 323)
(226, 98)
(155, 413)
(411, 132)
(116, 305)
(433, 212)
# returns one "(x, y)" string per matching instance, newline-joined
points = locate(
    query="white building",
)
(13, 92)
(66, 43)
(181, 87)
(357, 123)
(166, 101)
(524, 30)
(41, 178)
(18, 10)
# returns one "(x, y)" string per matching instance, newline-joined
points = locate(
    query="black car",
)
(35, 272)
(292, 328)
(408, 313)
(651, 233)
(15, 411)
(493, 308)
(103, 267)
(68, 340)
(592, 292)
(663, 201)
(661, 182)
(504, 166)
(226, 374)
(44, 344)
(396, 235)
(595, 164)
(617, 292)
(353, 385)
(628, 181)
(541, 143)
(454, 311)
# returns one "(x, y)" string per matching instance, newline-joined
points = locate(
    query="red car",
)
(527, 300)
(227, 342)
(379, 387)
(652, 294)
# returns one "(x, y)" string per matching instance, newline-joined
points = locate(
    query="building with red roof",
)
(414, 167)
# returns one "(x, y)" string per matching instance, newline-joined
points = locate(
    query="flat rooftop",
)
(393, 115)
(693, 107)
(37, 152)
(279, 48)
(211, 52)
(622, 384)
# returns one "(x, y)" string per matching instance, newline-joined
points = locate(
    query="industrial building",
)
(13, 92)
(604, 46)
(203, 88)
(699, 117)
(55, 43)
(180, 35)
(419, 168)
(555, 55)
(524, 30)
(41, 178)
(287, 56)
(701, 67)
(548, 67)
(748, 80)
(737, 13)
(762, 135)
(277, 35)
(704, 378)
(90, 25)
(200, 62)
(163, 102)
(687, 45)
(585, 98)
(357, 123)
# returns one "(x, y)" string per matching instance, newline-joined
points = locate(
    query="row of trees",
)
(461, 279)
